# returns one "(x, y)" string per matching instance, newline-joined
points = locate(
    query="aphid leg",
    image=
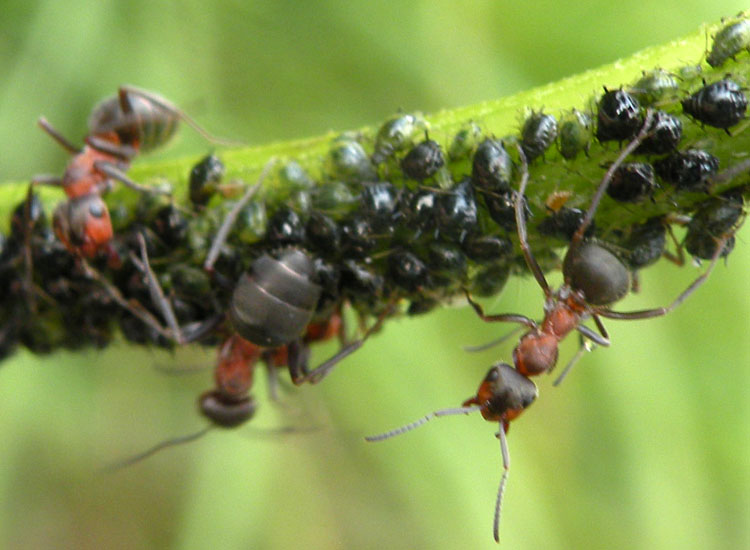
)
(679, 258)
(523, 240)
(115, 173)
(503, 317)
(585, 346)
(231, 218)
(155, 449)
(157, 295)
(417, 423)
(125, 104)
(57, 136)
(658, 312)
(624, 154)
(503, 480)
(495, 342)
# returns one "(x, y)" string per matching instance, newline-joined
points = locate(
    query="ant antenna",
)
(117, 466)
(423, 420)
(503, 481)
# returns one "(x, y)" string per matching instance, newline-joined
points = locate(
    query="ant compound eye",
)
(96, 209)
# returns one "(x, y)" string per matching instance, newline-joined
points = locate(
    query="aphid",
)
(564, 222)
(285, 228)
(204, 179)
(492, 167)
(575, 134)
(654, 86)
(664, 135)
(323, 233)
(632, 182)
(488, 248)
(728, 42)
(721, 104)
(357, 237)
(464, 142)
(406, 271)
(538, 133)
(646, 243)
(502, 397)
(457, 212)
(347, 161)
(379, 204)
(423, 160)
(712, 222)
(396, 135)
(619, 116)
(688, 170)
(490, 279)
(502, 211)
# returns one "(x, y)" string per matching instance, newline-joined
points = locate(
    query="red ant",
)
(119, 128)
(593, 279)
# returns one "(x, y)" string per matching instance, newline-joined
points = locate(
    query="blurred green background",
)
(644, 446)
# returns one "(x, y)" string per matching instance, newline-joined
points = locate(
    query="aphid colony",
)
(387, 224)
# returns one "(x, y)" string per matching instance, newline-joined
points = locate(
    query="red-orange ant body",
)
(119, 128)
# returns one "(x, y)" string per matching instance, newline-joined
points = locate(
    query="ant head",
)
(504, 393)
(596, 272)
(83, 224)
(226, 414)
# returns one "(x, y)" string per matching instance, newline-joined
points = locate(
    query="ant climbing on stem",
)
(594, 278)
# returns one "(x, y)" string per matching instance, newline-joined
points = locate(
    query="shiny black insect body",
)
(728, 42)
(721, 104)
(618, 116)
(423, 160)
(688, 170)
(492, 168)
(664, 135)
(632, 182)
(538, 133)
(204, 179)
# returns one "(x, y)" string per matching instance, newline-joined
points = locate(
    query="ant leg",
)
(593, 336)
(503, 480)
(324, 369)
(115, 173)
(231, 218)
(157, 295)
(134, 307)
(57, 136)
(503, 317)
(495, 342)
(127, 107)
(632, 146)
(47, 179)
(523, 240)
(658, 312)
(298, 359)
(585, 346)
(124, 152)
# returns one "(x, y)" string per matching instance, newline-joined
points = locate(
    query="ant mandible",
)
(594, 278)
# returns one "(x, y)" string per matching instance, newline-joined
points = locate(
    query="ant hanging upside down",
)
(594, 279)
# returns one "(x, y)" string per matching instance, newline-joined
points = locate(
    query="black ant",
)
(594, 279)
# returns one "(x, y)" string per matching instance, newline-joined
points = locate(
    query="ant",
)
(594, 279)
(119, 128)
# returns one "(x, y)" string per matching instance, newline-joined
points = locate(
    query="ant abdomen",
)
(274, 301)
(597, 272)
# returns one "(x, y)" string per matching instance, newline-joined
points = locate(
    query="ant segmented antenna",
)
(417, 423)
(503, 481)
(135, 459)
